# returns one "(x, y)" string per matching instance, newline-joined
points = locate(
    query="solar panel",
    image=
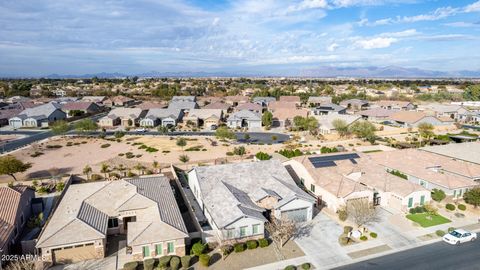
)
(328, 161)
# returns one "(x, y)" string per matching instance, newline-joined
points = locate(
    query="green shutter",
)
(454, 193)
(422, 200)
(243, 231)
(159, 249)
(460, 193)
(146, 251)
(255, 228)
(170, 248)
(410, 202)
(312, 187)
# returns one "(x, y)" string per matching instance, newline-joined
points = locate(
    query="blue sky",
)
(39, 37)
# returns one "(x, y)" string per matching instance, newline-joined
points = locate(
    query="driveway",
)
(389, 233)
(319, 241)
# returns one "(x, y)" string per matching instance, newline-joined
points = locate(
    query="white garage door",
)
(74, 254)
(298, 215)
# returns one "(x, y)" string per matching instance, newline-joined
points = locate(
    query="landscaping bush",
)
(226, 249)
(36, 154)
(342, 214)
(462, 207)
(239, 247)
(290, 267)
(164, 261)
(347, 229)
(373, 235)
(438, 195)
(252, 244)
(197, 249)
(440, 233)
(263, 242)
(230, 153)
(186, 261)
(363, 238)
(343, 240)
(204, 259)
(148, 264)
(451, 229)
(130, 266)
(96, 177)
(412, 211)
(450, 206)
(306, 266)
(54, 146)
(420, 209)
(138, 156)
(175, 263)
(121, 154)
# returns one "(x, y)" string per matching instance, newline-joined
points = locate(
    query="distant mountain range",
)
(318, 72)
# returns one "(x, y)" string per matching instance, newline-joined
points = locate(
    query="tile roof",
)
(407, 116)
(295, 99)
(40, 112)
(283, 114)
(183, 99)
(249, 106)
(320, 99)
(205, 113)
(163, 113)
(376, 112)
(126, 113)
(468, 151)
(81, 106)
(217, 105)
(183, 105)
(245, 114)
(325, 121)
(10, 198)
(275, 105)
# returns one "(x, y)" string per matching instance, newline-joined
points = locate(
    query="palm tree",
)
(122, 169)
(184, 159)
(104, 169)
(155, 166)
(87, 170)
(139, 167)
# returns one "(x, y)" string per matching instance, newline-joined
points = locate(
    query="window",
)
(170, 247)
(243, 231)
(312, 187)
(112, 222)
(454, 193)
(159, 249)
(146, 251)
(460, 193)
(255, 228)
(422, 200)
(410, 202)
(230, 233)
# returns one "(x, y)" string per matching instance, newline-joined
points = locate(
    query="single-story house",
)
(315, 101)
(15, 210)
(119, 101)
(328, 108)
(80, 108)
(185, 106)
(454, 112)
(163, 117)
(276, 105)
(235, 198)
(414, 118)
(254, 107)
(355, 104)
(284, 117)
(6, 114)
(96, 99)
(147, 105)
(39, 116)
(245, 119)
(127, 117)
(235, 100)
(294, 99)
(204, 117)
(431, 171)
(325, 125)
(143, 209)
(183, 99)
(376, 114)
(468, 151)
(263, 101)
(396, 105)
(218, 106)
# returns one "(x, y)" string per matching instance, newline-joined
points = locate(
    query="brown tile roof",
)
(217, 105)
(81, 106)
(289, 99)
(147, 105)
(275, 105)
(249, 106)
(407, 116)
(398, 103)
(283, 114)
(10, 199)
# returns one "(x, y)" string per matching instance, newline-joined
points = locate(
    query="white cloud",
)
(438, 14)
(375, 43)
(406, 33)
(215, 22)
(473, 7)
(462, 24)
(332, 47)
(308, 4)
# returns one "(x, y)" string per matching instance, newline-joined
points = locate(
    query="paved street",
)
(439, 256)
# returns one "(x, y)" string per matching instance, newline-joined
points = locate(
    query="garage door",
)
(395, 203)
(74, 254)
(298, 215)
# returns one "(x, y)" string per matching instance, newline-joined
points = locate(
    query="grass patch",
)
(426, 220)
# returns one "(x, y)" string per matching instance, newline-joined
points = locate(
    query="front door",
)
(125, 222)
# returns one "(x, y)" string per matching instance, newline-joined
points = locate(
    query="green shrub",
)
(373, 235)
(412, 211)
(230, 153)
(197, 249)
(186, 261)
(347, 229)
(54, 146)
(263, 156)
(363, 238)
(121, 154)
(263, 242)
(342, 214)
(96, 177)
(130, 266)
(164, 261)
(131, 174)
(440, 233)
(462, 207)
(438, 195)
(105, 145)
(239, 247)
(252, 244)
(290, 267)
(306, 266)
(148, 264)
(420, 209)
(60, 186)
(450, 206)
(204, 259)
(226, 249)
(451, 229)
(175, 263)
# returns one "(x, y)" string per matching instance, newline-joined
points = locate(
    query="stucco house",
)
(39, 116)
(245, 119)
(236, 100)
(328, 108)
(396, 105)
(325, 122)
(204, 117)
(414, 118)
(355, 104)
(238, 198)
(80, 108)
(143, 209)
(15, 210)
(164, 117)
(183, 99)
(284, 117)
(254, 107)
(119, 101)
(218, 106)
(263, 101)
(126, 117)
(315, 101)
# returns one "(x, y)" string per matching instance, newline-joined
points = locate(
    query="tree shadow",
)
(46, 174)
(215, 258)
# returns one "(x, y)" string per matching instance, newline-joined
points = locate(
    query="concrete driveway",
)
(319, 241)
(389, 233)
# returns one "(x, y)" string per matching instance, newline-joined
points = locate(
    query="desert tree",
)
(184, 159)
(60, 127)
(10, 165)
(281, 230)
(105, 169)
(87, 170)
(362, 212)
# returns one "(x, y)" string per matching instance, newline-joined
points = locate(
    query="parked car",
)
(459, 236)
(141, 130)
(213, 127)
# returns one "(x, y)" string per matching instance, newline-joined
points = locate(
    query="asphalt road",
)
(437, 256)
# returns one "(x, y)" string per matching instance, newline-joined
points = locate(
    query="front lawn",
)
(427, 220)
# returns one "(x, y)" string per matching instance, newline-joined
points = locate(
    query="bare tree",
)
(54, 173)
(281, 230)
(362, 212)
